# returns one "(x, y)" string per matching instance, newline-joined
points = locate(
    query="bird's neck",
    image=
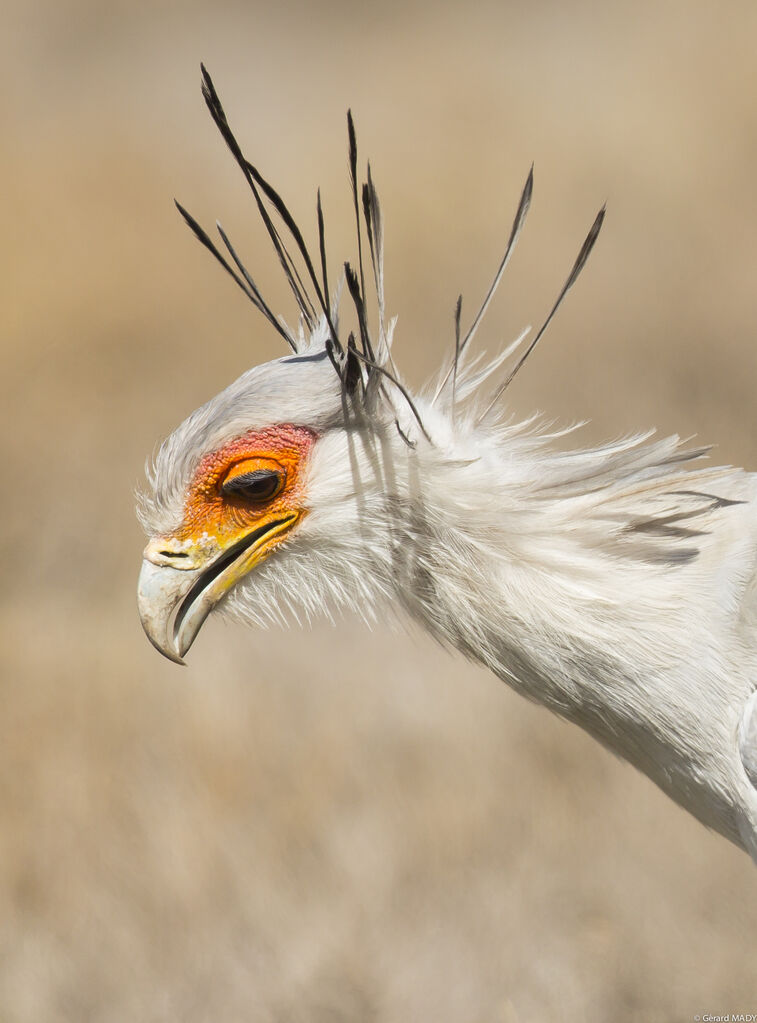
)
(516, 581)
(579, 580)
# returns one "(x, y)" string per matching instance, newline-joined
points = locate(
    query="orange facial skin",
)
(215, 520)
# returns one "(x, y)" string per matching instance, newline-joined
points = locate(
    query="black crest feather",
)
(366, 362)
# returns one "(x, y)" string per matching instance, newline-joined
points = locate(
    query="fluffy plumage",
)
(615, 585)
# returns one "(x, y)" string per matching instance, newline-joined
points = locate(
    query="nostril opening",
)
(173, 554)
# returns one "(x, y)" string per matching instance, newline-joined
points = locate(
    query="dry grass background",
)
(344, 825)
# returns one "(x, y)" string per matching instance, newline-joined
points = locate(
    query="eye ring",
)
(256, 487)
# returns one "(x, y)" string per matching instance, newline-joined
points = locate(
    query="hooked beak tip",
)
(167, 651)
(158, 595)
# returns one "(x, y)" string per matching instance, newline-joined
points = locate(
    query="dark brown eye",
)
(256, 487)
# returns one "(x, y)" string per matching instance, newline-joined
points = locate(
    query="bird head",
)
(263, 499)
(298, 486)
(265, 478)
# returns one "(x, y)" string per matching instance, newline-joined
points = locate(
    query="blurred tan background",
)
(345, 825)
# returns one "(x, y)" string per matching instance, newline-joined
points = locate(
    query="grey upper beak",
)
(160, 591)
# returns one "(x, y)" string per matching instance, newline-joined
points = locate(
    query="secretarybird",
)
(617, 585)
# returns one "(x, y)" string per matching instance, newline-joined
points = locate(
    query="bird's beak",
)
(178, 589)
(159, 592)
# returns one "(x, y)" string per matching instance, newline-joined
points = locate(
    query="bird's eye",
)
(256, 487)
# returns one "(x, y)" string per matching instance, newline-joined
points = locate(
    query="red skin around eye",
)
(208, 514)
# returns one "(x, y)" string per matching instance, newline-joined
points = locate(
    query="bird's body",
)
(615, 585)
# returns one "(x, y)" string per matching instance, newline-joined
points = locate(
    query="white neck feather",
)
(586, 580)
